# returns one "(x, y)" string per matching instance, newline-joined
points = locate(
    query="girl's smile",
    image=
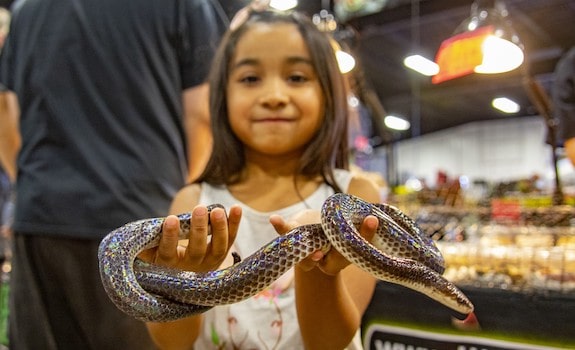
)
(273, 119)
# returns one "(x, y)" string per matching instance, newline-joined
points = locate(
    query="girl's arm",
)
(331, 295)
(199, 255)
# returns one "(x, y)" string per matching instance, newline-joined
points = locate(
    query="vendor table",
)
(402, 319)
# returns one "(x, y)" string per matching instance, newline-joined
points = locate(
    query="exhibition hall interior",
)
(461, 113)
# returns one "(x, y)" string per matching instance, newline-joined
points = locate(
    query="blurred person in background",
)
(8, 109)
(113, 121)
(564, 101)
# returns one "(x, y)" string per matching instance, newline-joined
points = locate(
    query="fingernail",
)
(200, 211)
(218, 214)
(171, 223)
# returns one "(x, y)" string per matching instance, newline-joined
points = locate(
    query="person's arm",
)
(10, 140)
(330, 304)
(179, 334)
(330, 308)
(331, 294)
(197, 128)
(200, 254)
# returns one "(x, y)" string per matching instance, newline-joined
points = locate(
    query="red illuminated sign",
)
(460, 54)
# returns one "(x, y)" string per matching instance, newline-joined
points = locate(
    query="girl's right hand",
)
(332, 262)
(202, 253)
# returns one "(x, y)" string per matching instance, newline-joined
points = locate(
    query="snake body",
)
(399, 253)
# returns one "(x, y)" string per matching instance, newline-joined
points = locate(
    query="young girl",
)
(279, 117)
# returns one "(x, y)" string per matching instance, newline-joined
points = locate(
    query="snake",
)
(399, 253)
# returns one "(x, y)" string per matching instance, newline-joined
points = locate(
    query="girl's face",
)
(275, 102)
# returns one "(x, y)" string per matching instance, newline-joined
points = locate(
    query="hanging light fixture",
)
(483, 43)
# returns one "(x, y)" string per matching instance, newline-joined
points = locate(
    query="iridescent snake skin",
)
(399, 253)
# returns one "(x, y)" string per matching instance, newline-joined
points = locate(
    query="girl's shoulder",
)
(186, 198)
(364, 187)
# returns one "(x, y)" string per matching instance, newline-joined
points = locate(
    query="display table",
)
(401, 319)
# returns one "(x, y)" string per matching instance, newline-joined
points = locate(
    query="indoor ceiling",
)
(382, 40)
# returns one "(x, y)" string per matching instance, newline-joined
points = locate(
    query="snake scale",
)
(399, 253)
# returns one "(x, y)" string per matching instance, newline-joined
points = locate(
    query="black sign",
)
(384, 337)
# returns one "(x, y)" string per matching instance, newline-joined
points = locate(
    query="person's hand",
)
(202, 253)
(330, 262)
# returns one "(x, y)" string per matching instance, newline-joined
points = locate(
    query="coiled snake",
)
(399, 253)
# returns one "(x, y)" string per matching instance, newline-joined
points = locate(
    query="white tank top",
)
(267, 320)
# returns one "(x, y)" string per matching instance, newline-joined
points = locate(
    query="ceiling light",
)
(421, 65)
(499, 56)
(345, 61)
(396, 123)
(484, 43)
(505, 105)
(283, 5)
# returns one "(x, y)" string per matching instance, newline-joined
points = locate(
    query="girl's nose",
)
(275, 95)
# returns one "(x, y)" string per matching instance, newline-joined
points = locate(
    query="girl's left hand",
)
(331, 262)
(202, 253)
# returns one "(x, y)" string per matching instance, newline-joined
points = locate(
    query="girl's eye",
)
(249, 79)
(297, 78)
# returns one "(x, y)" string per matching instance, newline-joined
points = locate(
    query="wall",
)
(497, 150)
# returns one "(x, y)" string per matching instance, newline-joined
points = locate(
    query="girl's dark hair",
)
(326, 151)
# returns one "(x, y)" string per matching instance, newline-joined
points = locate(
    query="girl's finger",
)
(234, 218)
(280, 225)
(218, 246)
(166, 253)
(368, 227)
(198, 237)
(311, 261)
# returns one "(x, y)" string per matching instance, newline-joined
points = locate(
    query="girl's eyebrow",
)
(245, 62)
(299, 59)
(253, 61)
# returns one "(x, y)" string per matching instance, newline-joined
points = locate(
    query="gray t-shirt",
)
(99, 83)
